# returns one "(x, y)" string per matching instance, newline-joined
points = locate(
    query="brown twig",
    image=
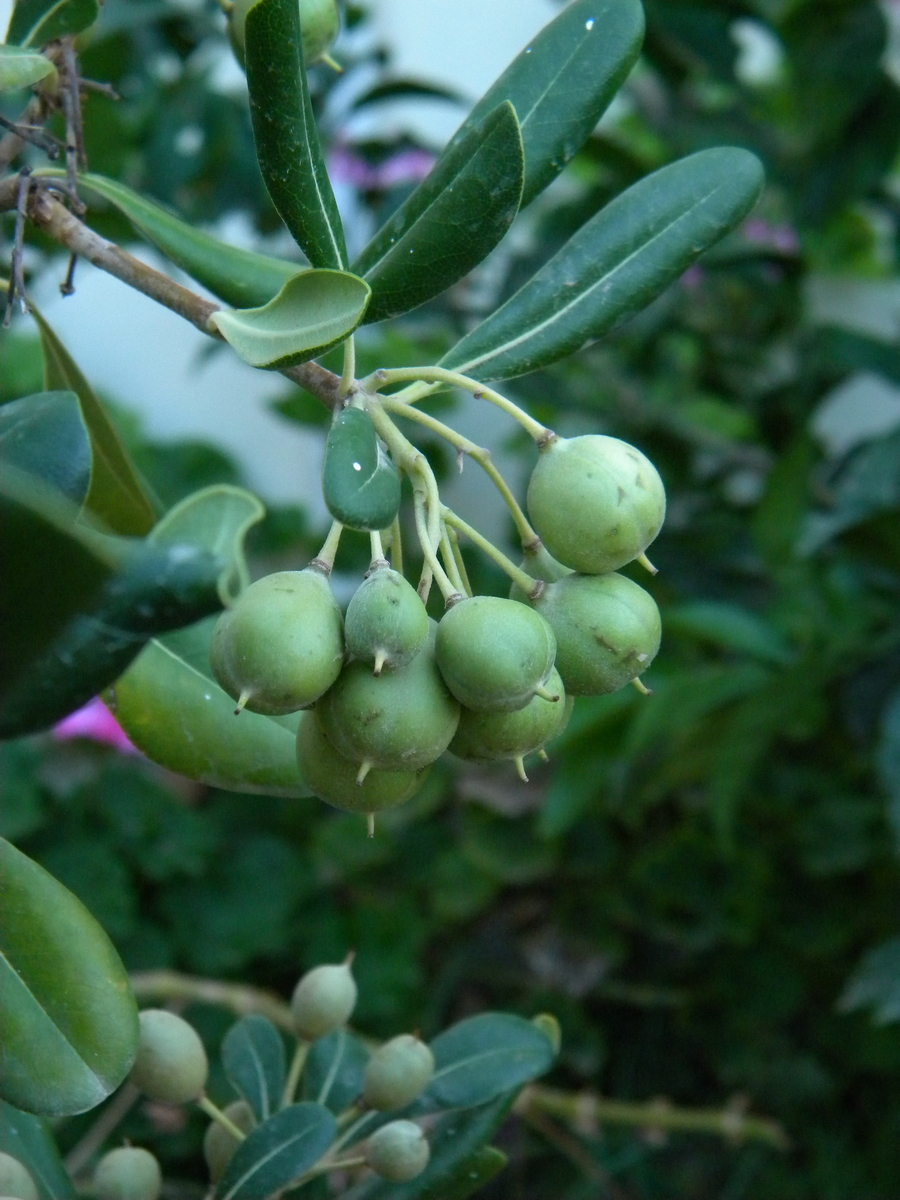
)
(13, 142)
(17, 272)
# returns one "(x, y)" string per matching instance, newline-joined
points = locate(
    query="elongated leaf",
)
(239, 277)
(484, 1056)
(276, 1153)
(68, 1020)
(731, 626)
(37, 22)
(562, 82)
(20, 67)
(116, 494)
(287, 141)
(313, 312)
(452, 220)
(253, 1058)
(618, 262)
(333, 1074)
(45, 435)
(27, 1138)
(875, 984)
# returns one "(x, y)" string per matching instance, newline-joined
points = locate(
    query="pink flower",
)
(778, 237)
(96, 722)
(407, 166)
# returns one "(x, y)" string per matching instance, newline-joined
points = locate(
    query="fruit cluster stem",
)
(324, 560)
(298, 1062)
(531, 587)
(213, 1111)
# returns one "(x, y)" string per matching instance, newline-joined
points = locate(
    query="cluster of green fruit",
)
(387, 690)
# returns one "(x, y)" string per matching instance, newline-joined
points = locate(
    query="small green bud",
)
(218, 1144)
(128, 1173)
(171, 1064)
(15, 1179)
(398, 1152)
(397, 1072)
(323, 1001)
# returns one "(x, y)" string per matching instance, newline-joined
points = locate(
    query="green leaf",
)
(46, 436)
(730, 626)
(313, 312)
(253, 1058)
(20, 68)
(618, 262)
(173, 710)
(287, 141)
(875, 984)
(333, 1074)
(451, 222)
(239, 277)
(484, 1056)
(562, 82)
(37, 22)
(116, 494)
(276, 1153)
(27, 1138)
(68, 1020)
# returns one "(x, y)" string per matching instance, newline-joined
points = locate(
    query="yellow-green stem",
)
(296, 1070)
(348, 377)
(460, 561)
(450, 563)
(216, 1114)
(324, 560)
(397, 546)
(375, 543)
(448, 591)
(531, 587)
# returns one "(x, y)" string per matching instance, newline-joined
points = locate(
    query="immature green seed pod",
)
(323, 1000)
(398, 1151)
(386, 622)
(333, 778)
(539, 564)
(491, 736)
(128, 1173)
(360, 484)
(281, 645)
(397, 1073)
(492, 654)
(607, 631)
(595, 501)
(15, 1179)
(218, 1144)
(320, 24)
(171, 1064)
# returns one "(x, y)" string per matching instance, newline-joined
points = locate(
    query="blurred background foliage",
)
(693, 880)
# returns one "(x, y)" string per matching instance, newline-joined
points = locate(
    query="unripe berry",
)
(397, 1072)
(218, 1144)
(128, 1173)
(490, 736)
(386, 622)
(539, 563)
(323, 1001)
(15, 1179)
(398, 1151)
(171, 1064)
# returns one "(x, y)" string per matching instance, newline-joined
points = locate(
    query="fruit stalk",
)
(531, 587)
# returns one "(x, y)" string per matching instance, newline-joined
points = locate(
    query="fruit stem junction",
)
(213, 1111)
(531, 587)
(324, 560)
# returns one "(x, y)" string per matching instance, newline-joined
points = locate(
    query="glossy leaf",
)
(46, 436)
(20, 68)
(333, 1073)
(276, 1153)
(287, 141)
(253, 1059)
(238, 277)
(28, 1139)
(618, 262)
(116, 494)
(451, 222)
(562, 82)
(360, 483)
(68, 1020)
(173, 710)
(37, 22)
(313, 312)
(481, 1057)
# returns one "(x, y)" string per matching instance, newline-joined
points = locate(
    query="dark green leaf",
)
(253, 1058)
(333, 1074)
(37, 22)
(868, 484)
(360, 483)
(562, 82)
(730, 626)
(875, 984)
(68, 1020)
(313, 312)
(45, 435)
(276, 1153)
(21, 68)
(452, 220)
(287, 141)
(616, 264)
(484, 1056)
(27, 1138)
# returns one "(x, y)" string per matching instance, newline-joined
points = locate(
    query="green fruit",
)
(15, 1179)
(171, 1065)
(607, 631)
(493, 654)
(539, 564)
(320, 22)
(128, 1173)
(398, 1151)
(489, 736)
(596, 502)
(280, 646)
(218, 1144)
(332, 777)
(397, 1073)
(360, 484)
(323, 1001)
(399, 721)
(386, 622)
